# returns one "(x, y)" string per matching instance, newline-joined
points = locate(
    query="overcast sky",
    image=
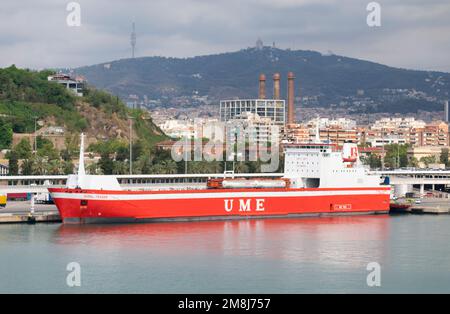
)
(413, 34)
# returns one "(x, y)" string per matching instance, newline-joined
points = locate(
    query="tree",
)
(373, 160)
(428, 160)
(396, 155)
(144, 164)
(23, 149)
(164, 167)
(120, 167)
(13, 163)
(93, 168)
(72, 147)
(6, 134)
(106, 164)
(47, 150)
(40, 165)
(413, 162)
(122, 153)
(54, 167)
(67, 168)
(443, 158)
(27, 167)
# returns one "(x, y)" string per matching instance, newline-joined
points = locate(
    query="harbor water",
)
(324, 255)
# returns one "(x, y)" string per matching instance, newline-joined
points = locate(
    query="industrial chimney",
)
(291, 98)
(446, 112)
(262, 87)
(276, 86)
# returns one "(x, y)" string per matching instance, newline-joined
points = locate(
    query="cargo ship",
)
(319, 179)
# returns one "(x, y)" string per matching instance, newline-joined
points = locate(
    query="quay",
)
(431, 206)
(19, 212)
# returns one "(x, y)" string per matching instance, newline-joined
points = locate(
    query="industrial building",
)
(274, 109)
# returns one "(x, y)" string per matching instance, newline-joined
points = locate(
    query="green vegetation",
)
(396, 156)
(443, 158)
(33, 87)
(27, 97)
(6, 134)
(428, 160)
(373, 160)
(100, 99)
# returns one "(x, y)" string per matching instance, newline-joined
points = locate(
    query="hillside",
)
(324, 79)
(27, 95)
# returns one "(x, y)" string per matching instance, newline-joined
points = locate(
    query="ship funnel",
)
(81, 170)
(349, 152)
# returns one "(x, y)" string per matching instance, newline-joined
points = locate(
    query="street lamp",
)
(131, 144)
(35, 135)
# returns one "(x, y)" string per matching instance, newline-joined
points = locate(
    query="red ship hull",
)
(91, 206)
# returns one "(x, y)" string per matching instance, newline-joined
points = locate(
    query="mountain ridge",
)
(322, 80)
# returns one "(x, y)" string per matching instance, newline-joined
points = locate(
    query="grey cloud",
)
(414, 33)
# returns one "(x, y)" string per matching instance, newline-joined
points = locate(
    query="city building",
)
(407, 131)
(75, 85)
(4, 170)
(425, 151)
(435, 134)
(332, 131)
(178, 128)
(388, 140)
(258, 129)
(273, 109)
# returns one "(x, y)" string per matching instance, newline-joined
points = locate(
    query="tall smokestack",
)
(291, 98)
(446, 112)
(276, 86)
(262, 87)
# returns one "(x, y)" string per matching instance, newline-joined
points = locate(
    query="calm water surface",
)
(254, 256)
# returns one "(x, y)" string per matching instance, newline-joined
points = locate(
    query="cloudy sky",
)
(413, 33)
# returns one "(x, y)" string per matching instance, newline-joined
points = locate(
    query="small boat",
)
(399, 207)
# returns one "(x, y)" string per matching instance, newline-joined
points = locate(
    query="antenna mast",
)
(133, 40)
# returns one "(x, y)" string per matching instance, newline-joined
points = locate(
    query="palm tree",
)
(39, 165)
(54, 167)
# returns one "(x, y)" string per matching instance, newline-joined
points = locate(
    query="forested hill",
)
(325, 79)
(26, 96)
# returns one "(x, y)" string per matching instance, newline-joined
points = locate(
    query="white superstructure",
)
(321, 165)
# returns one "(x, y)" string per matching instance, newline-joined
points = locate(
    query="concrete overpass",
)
(39, 184)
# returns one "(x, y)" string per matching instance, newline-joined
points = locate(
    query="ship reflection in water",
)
(267, 255)
(326, 240)
(328, 254)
